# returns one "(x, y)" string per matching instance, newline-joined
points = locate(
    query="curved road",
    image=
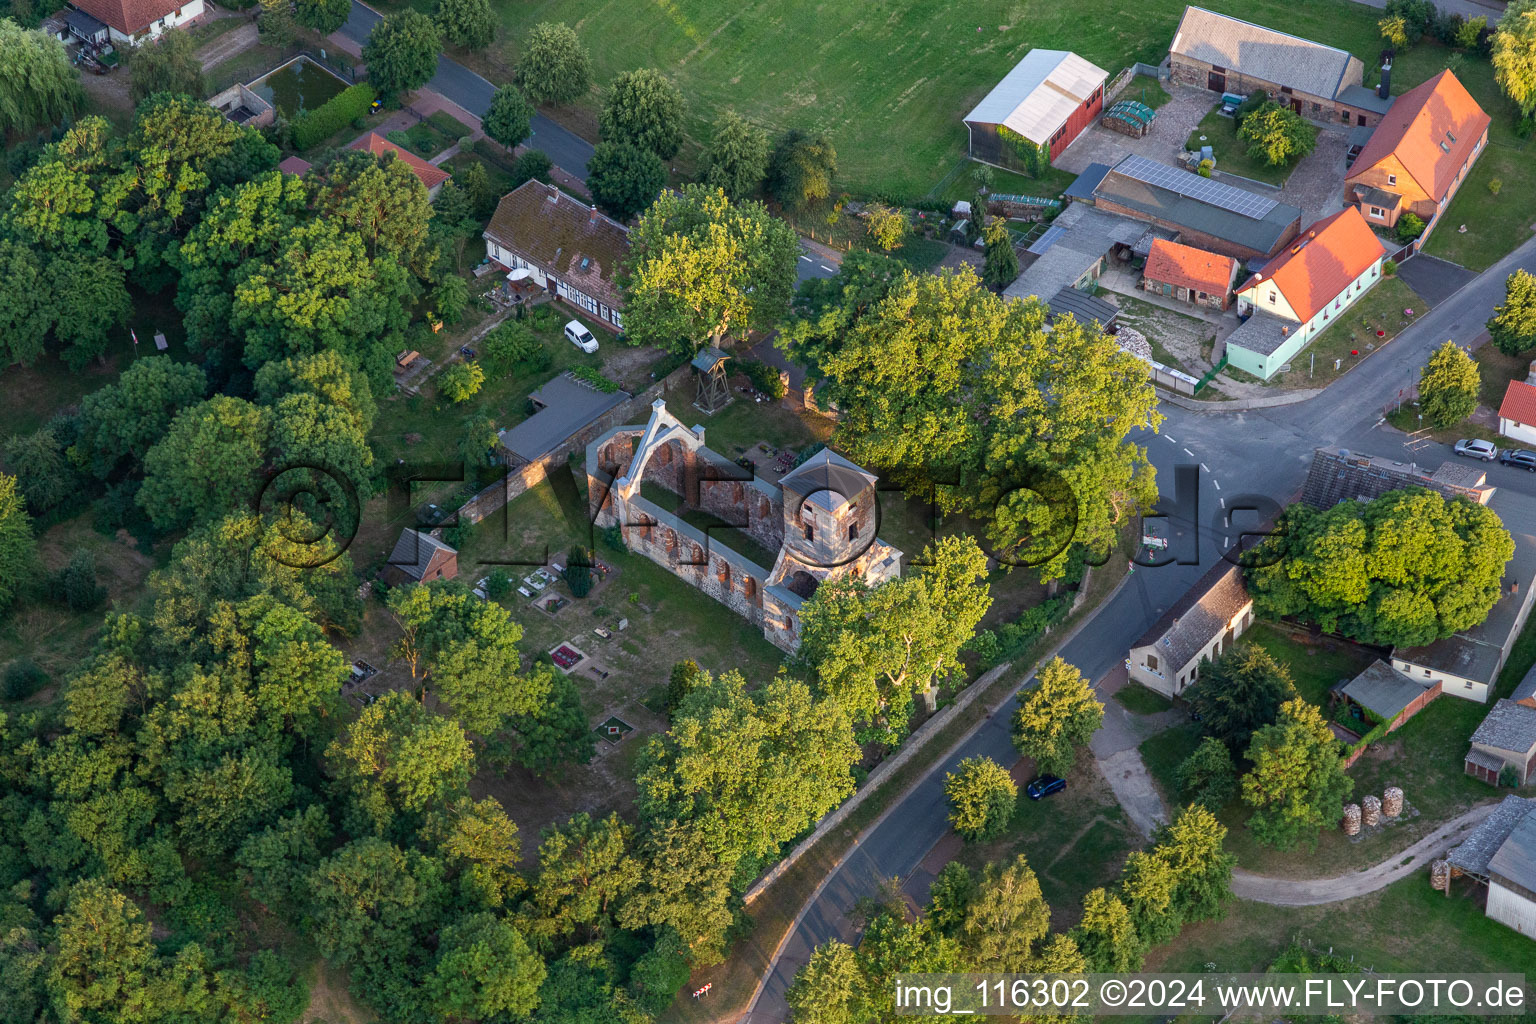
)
(1256, 453)
(1309, 892)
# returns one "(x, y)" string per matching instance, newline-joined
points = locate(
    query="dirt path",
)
(227, 45)
(1307, 892)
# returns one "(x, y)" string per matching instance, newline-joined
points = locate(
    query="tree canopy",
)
(1277, 135)
(624, 179)
(646, 110)
(553, 66)
(38, 85)
(1513, 326)
(322, 16)
(1056, 717)
(800, 169)
(508, 119)
(1514, 54)
(168, 64)
(736, 159)
(965, 399)
(17, 546)
(467, 24)
(701, 267)
(981, 797)
(1239, 692)
(1448, 386)
(1297, 785)
(1405, 569)
(401, 52)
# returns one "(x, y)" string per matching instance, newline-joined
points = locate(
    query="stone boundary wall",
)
(520, 479)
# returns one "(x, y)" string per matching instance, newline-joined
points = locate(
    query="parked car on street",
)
(579, 336)
(1044, 786)
(1476, 448)
(1519, 458)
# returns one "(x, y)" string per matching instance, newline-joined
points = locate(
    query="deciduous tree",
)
(1106, 935)
(981, 797)
(208, 463)
(485, 971)
(26, 315)
(18, 549)
(90, 305)
(460, 381)
(1297, 785)
(1406, 569)
(644, 109)
(885, 226)
(1277, 135)
(1207, 777)
(398, 757)
(829, 988)
(508, 119)
(125, 419)
(167, 64)
(556, 733)
(1448, 386)
(378, 197)
(1056, 717)
(467, 24)
(800, 169)
(553, 67)
(872, 648)
(586, 870)
(322, 16)
(1513, 326)
(736, 159)
(38, 85)
(700, 267)
(1007, 919)
(687, 888)
(401, 52)
(624, 179)
(1514, 54)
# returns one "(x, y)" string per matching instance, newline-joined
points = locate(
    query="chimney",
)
(592, 216)
(1284, 331)
(1384, 90)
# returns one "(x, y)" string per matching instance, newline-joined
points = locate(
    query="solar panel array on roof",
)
(1047, 240)
(1204, 190)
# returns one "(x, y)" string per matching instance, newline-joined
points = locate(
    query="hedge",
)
(314, 126)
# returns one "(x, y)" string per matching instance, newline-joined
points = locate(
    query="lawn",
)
(1220, 133)
(1380, 309)
(1315, 666)
(1406, 927)
(1139, 700)
(1497, 370)
(1495, 223)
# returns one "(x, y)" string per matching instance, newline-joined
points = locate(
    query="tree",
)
(1513, 326)
(326, 376)
(586, 870)
(578, 571)
(1002, 261)
(378, 197)
(624, 179)
(168, 64)
(966, 399)
(1297, 785)
(1056, 717)
(981, 796)
(1418, 16)
(1448, 386)
(17, 546)
(1394, 30)
(554, 66)
(736, 159)
(208, 463)
(38, 85)
(401, 52)
(1277, 135)
(748, 771)
(477, 448)
(1192, 844)
(124, 420)
(828, 989)
(871, 648)
(1007, 919)
(644, 109)
(509, 118)
(90, 303)
(467, 24)
(460, 381)
(368, 899)
(557, 733)
(26, 315)
(801, 169)
(484, 971)
(885, 226)
(685, 678)
(398, 758)
(466, 650)
(1106, 935)
(687, 887)
(76, 582)
(1406, 569)
(46, 477)
(700, 267)
(1238, 692)
(322, 16)
(1514, 55)
(1207, 777)
(475, 180)
(104, 960)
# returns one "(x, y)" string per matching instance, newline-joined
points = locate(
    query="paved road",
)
(457, 83)
(1310, 892)
(814, 262)
(1231, 457)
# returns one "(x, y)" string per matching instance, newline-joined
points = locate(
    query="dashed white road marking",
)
(1169, 439)
(826, 268)
(806, 258)
(1189, 453)
(1223, 502)
(1217, 483)
(1204, 467)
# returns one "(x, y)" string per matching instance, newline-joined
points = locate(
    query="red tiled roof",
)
(1321, 262)
(1188, 267)
(128, 16)
(564, 236)
(378, 145)
(294, 165)
(1519, 403)
(1435, 113)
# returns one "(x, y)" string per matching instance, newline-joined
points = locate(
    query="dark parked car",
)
(1044, 786)
(1519, 459)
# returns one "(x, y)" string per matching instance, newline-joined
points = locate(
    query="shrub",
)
(578, 571)
(1389, 268)
(595, 379)
(314, 126)
(764, 378)
(1495, 185)
(533, 165)
(1508, 776)
(1206, 165)
(993, 647)
(498, 584)
(513, 348)
(75, 585)
(460, 382)
(23, 678)
(1409, 226)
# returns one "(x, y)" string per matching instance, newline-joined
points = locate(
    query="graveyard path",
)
(1307, 892)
